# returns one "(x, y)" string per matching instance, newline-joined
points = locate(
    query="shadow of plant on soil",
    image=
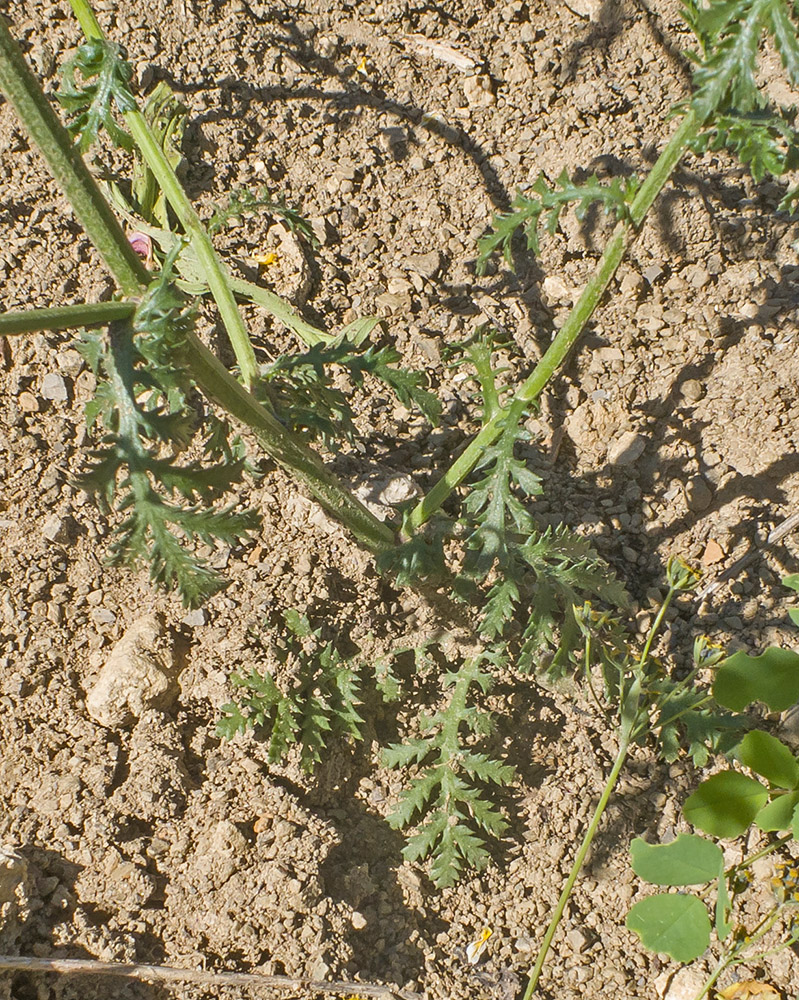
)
(58, 905)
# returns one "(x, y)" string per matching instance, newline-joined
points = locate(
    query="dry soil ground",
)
(398, 129)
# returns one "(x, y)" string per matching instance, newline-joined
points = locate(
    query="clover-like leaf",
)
(673, 923)
(726, 804)
(687, 860)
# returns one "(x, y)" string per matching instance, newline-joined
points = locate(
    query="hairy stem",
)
(67, 167)
(576, 868)
(556, 354)
(200, 240)
(104, 230)
(64, 317)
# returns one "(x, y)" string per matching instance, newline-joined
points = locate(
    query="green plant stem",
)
(102, 227)
(734, 955)
(531, 389)
(654, 628)
(585, 846)
(64, 317)
(67, 167)
(303, 464)
(632, 718)
(200, 240)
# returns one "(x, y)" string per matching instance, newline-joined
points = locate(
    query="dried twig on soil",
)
(783, 529)
(167, 974)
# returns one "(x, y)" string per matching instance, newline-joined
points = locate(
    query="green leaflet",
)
(687, 860)
(529, 211)
(449, 800)
(672, 923)
(142, 404)
(106, 75)
(726, 804)
(317, 699)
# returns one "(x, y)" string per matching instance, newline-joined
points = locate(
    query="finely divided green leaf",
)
(726, 78)
(785, 38)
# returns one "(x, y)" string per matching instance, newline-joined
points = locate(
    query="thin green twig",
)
(531, 389)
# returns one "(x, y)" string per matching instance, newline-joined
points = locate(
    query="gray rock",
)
(426, 264)
(54, 387)
(478, 92)
(397, 490)
(196, 618)
(626, 448)
(692, 390)
(140, 674)
(55, 530)
(698, 494)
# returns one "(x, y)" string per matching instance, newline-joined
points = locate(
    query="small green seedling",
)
(726, 806)
(315, 697)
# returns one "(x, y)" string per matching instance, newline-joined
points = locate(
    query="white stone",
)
(139, 674)
(477, 91)
(54, 387)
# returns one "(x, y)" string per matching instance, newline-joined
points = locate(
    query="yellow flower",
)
(476, 948)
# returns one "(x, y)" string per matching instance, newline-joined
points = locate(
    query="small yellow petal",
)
(265, 259)
(476, 948)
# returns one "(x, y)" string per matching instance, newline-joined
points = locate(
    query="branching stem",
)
(162, 170)
(104, 230)
(531, 389)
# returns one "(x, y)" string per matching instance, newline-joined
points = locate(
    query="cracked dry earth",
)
(397, 129)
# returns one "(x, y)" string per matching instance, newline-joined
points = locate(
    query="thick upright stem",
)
(576, 868)
(531, 389)
(67, 167)
(102, 227)
(200, 240)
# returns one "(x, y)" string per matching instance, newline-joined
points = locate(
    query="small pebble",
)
(54, 530)
(196, 618)
(698, 494)
(28, 403)
(477, 91)
(692, 390)
(652, 273)
(425, 264)
(54, 387)
(626, 448)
